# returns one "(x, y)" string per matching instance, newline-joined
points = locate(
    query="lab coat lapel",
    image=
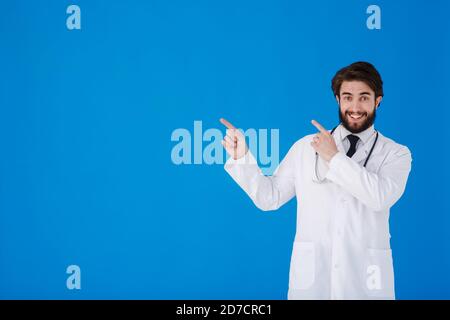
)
(359, 156)
(361, 153)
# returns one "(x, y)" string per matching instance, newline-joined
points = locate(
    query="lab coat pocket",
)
(379, 274)
(302, 270)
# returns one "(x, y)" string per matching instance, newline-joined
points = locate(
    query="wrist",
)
(332, 156)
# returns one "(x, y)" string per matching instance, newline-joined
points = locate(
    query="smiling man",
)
(345, 180)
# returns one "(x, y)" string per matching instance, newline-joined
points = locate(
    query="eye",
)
(348, 98)
(364, 98)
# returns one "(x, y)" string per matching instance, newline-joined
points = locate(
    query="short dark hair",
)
(358, 71)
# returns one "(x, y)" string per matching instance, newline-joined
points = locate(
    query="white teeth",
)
(355, 116)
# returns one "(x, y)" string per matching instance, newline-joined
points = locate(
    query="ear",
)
(337, 99)
(378, 101)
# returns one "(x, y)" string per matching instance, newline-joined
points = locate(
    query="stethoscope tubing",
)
(367, 159)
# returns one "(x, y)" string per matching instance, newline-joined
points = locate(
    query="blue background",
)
(86, 116)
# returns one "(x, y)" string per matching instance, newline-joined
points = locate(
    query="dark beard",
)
(370, 119)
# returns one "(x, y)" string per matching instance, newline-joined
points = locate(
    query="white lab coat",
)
(342, 243)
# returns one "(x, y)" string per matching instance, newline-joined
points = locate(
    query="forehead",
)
(355, 87)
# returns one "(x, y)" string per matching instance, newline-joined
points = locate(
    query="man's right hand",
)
(234, 141)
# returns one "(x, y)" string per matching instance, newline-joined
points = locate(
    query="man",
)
(345, 182)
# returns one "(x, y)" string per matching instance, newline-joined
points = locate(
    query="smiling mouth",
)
(356, 116)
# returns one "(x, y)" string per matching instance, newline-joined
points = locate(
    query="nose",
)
(356, 107)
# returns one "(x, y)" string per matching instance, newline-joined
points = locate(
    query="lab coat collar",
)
(366, 137)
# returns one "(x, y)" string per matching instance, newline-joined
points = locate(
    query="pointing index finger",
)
(227, 124)
(319, 127)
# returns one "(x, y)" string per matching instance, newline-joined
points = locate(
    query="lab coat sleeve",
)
(267, 192)
(378, 191)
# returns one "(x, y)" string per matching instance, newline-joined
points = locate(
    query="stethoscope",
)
(318, 180)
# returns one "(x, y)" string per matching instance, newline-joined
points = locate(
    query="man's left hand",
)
(324, 143)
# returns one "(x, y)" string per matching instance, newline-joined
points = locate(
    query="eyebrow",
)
(350, 94)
